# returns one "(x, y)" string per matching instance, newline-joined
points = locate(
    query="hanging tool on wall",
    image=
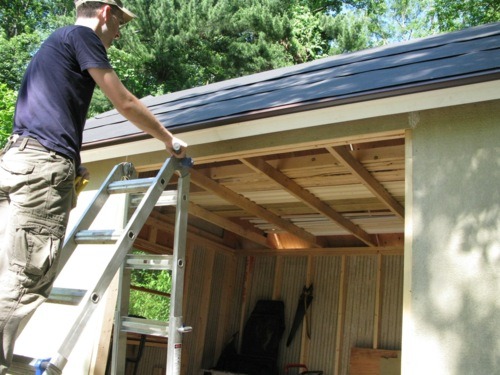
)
(305, 300)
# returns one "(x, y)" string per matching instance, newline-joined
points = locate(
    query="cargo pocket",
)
(35, 254)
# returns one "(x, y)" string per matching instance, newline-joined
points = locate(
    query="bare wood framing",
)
(344, 156)
(308, 198)
(278, 278)
(100, 355)
(332, 251)
(304, 346)
(149, 247)
(167, 224)
(247, 284)
(222, 222)
(249, 206)
(226, 304)
(340, 314)
(202, 307)
(378, 293)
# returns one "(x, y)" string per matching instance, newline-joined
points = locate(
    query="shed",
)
(371, 175)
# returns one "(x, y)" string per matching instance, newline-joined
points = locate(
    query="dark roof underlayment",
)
(446, 60)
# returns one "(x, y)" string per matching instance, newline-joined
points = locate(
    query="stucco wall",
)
(451, 321)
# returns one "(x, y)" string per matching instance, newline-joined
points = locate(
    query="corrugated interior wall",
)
(357, 302)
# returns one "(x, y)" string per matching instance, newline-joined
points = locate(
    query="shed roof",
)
(446, 60)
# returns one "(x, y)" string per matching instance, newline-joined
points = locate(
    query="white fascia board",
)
(467, 94)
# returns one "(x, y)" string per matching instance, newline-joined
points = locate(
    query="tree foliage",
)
(7, 102)
(149, 305)
(454, 15)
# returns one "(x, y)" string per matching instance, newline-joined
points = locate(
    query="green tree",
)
(401, 20)
(459, 14)
(196, 42)
(16, 54)
(150, 305)
(7, 104)
(27, 16)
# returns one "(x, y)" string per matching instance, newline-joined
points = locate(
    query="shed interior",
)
(267, 221)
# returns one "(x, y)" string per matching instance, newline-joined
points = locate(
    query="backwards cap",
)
(127, 14)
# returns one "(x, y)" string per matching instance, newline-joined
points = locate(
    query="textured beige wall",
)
(451, 322)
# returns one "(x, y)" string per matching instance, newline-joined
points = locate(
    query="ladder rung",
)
(97, 236)
(149, 262)
(138, 185)
(144, 326)
(167, 198)
(66, 296)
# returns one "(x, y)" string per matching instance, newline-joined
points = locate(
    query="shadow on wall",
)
(456, 264)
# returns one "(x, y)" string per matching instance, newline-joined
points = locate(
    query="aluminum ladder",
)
(123, 180)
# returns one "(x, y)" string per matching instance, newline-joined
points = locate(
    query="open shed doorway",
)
(264, 224)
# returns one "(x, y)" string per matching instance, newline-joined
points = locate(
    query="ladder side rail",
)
(125, 243)
(91, 212)
(174, 347)
(119, 342)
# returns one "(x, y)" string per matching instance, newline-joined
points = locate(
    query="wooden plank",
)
(229, 225)
(247, 286)
(332, 251)
(193, 234)
(153, 248)
(100, 355)
(340, 315)
(308, 198)
(376, 313)
(305, 341)
(368, 361)
(249, 206)
(278, 278)
(341, 153)
(226, 304)
(391, 127)
(316, 163)
(202, 308)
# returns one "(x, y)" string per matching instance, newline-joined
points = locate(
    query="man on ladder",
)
(42, 158)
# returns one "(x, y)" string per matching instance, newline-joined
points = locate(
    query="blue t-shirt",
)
(56, 90)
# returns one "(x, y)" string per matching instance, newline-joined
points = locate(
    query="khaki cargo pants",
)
(36, 196)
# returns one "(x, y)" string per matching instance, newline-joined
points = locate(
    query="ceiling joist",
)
(251, 207)
(342, 154)
(226, 224)
(260, 165)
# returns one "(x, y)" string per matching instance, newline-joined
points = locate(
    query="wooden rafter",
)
(251, 207)
(342, 154)
(326, 251)
(229, 225)
(260, 165)
(167, 223)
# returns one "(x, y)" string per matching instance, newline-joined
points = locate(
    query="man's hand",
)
(177, 147)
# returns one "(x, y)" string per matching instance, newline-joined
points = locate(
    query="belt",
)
(33, 144)
(30, 143)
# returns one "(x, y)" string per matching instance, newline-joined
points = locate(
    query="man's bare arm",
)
(134, 110)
